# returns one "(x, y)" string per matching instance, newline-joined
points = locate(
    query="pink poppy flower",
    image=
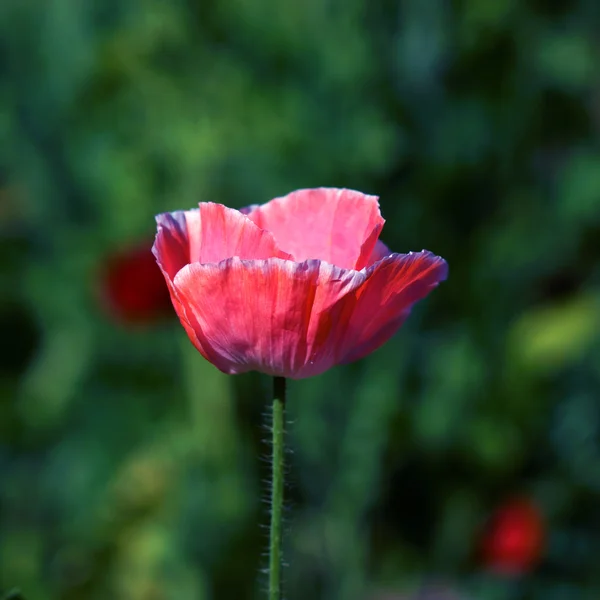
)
(293, 287)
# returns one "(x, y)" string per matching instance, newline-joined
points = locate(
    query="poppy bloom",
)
(293, 287)
(133, 287)
(514, 540)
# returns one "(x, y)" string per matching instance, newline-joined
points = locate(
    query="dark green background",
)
(129, 466)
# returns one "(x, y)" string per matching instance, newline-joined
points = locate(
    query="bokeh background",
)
(461, 460)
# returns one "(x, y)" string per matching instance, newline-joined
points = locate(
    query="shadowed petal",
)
(171, 250)
(380, 251)
(273, 316)
(385, 299)
(171, 246)
(337, 226)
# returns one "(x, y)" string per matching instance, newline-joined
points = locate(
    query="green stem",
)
(276, 530)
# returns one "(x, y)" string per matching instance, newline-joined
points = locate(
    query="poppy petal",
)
(337, 226)
(216, 232)
(380, 251)
(171, 250)
(274, 316)
(393, 285)
(171, 246)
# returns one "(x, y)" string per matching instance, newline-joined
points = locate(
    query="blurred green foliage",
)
(130, 467)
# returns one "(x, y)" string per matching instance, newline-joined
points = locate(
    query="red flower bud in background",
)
(514, 539)
(133, 287)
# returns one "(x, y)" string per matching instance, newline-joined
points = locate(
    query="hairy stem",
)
(276, 529)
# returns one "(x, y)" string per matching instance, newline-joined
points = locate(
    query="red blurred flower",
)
(133, 286)
(514, 540)
(293, 287)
